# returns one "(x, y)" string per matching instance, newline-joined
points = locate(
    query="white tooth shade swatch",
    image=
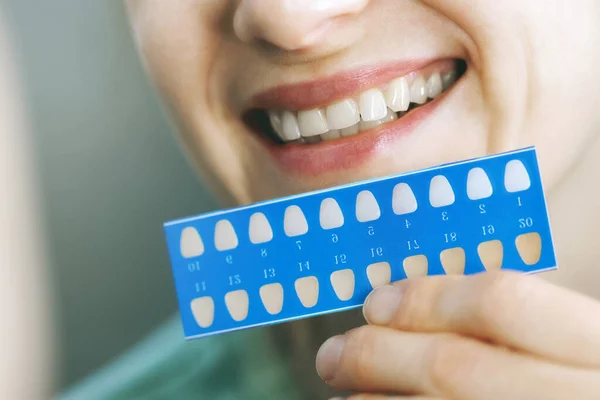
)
(331, 216)
(367, 208)
(295, 223)
(404, 200)
(238, 304)
(272, 297)
(203, 310)
(343, 284)
(440, 192)
(307, 290)
(225, 237)
(478, 185)
(516, 177)
(379, 274)
(260, 230)
(191, 244)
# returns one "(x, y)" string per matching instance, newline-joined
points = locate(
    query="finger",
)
(514, 310)
(382, 360)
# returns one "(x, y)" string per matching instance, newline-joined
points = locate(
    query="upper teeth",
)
(371, 108)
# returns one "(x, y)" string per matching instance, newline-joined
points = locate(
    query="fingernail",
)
(328, 357)
(382, 304)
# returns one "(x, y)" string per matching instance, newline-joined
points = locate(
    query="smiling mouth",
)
(367, 108)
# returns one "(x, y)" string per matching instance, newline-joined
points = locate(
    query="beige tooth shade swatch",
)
(529, 247)
(416, 266)
(379, 274)
(491, 254)
(479, 185)
(203, 309)
(272, 297)
(307, 290)
(453, 261)
(404, 200)
(516, 178)
(343, 284)
(225, 237)
(440, 192)
(294, 223)
(367, 208)
(191, 244)
(331, 216)
(260, 230)
(237, 304)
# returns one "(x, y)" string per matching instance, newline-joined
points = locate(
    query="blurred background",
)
(112, 174)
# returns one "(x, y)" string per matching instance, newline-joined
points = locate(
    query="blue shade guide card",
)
(325, 251)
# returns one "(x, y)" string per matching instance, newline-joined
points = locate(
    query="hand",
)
(492, 336)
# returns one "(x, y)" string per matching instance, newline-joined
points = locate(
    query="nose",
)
(291, 24)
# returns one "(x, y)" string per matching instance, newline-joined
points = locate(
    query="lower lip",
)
(349, 152)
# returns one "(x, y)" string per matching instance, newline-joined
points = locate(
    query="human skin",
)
(530, 79)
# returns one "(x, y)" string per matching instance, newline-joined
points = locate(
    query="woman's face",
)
(275, 97)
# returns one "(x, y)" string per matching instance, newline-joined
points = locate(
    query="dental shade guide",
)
(324, 252)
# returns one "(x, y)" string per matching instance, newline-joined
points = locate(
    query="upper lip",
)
(323, 91)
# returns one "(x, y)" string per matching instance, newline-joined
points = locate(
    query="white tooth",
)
(404, 200)
(367, 208)
(516, 177)
(331, 135)
(391, 116)
(312, 122)
(343, 114)
(225, 236)
(440, 192)
(434, 86)
(191, 244)
(478, 184)
(352, 130)
(260, 230)
(313, 139)
(366, 125)
(397, 96)
(289, 123)
(275, 118)
(294, 222)
(418, 90)
(372, 105)
(448, 79)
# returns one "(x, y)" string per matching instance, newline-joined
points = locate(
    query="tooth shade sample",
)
(203, 310)
(331, 214)
(516, 178)
(289, 125)
(440, 192)
(295, 223)
(331, 135)
(404, 200)
(416, 266)
(225, 237)
(397, 96)
(307, 290)
(272, 297)
(312, 122)
(434, 86)
(372, 105)
(478, 185)
(491, 254)
(260, 230)
(379, 274)
(343, 114)
(418, 90)
(343, 284)
(190, 244)
(350, 131)
(367, 208)
(529, 247)
(237, 304)
(453, 261)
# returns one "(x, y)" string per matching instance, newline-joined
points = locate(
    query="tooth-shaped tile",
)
(343, 284)
(404, 200)
(225, 237)
(434, 86)
(453, 261)
(491, 254)
(331, 216)
(397, 95)
(237, 304)
(272, 297)
(289, 124)
(516, 177)
(307, 290)
(190, 244)
(331, 135)
(350, 131)
(276, 123)
(367, 208)
(260, 230)
(379, 274)
(203, 310)
(294, 222)
(343, 114)
(529, 247)
(312, 122)
(416, 266)
(478, 184)
(448, 79)
(440, 192)
(366, 125)
(372, 105)
(418, 90)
